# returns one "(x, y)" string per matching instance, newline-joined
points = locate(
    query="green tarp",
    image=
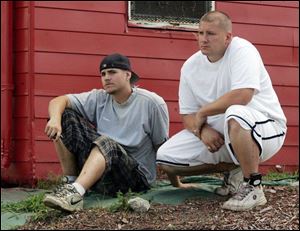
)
(162, 193)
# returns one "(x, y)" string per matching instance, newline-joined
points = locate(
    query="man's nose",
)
(204, 37)
(107, 76)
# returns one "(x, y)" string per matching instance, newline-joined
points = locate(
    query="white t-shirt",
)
(203, 82)
(138, 124)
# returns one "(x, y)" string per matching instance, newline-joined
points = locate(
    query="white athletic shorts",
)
(185, 149)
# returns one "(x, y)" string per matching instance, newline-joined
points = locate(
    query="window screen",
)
(173, 12)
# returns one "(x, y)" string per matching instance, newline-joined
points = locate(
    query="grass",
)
(50, 182)
(276, 176)
(33, 204)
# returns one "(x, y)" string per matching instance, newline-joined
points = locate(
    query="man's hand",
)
(53, 129)
(213, 139)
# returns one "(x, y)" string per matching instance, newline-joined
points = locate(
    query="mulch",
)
(280, 213)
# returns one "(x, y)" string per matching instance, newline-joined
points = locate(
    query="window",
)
(168, 14)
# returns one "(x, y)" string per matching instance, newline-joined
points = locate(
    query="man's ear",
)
(128, 75)
(228, 37)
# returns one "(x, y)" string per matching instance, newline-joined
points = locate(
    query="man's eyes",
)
(108, 72)
(208, 33)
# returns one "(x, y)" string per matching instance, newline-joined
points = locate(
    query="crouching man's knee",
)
(233, 126)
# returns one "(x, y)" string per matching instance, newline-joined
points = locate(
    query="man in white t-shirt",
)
(106, 139)
(231, 114)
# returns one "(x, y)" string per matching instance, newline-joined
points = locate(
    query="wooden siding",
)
(273, 26)
(22, 169)
(59, 45)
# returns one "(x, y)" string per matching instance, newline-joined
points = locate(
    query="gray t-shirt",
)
(138, 124)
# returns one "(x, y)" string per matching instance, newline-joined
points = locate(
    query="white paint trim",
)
(164, 25)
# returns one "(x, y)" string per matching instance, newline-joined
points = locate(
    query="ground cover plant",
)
(281, 212)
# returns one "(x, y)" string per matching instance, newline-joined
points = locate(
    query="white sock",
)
(79, 188)
(71, 179)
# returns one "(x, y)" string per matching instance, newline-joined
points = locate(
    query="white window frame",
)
(163, 25)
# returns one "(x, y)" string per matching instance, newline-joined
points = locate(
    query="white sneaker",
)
(246, 198)
(65, 198)
(231, 183)
(62, 182)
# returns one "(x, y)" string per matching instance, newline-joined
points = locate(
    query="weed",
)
(33, 204)
(50, 182)
(122, 201)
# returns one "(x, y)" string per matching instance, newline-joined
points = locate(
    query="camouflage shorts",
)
(121, 170)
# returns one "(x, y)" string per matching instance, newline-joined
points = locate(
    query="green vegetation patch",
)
(33, 204)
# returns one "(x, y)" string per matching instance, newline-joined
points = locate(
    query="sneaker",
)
(231, 183)
(65, 198)
(64, 180)
(246, 198)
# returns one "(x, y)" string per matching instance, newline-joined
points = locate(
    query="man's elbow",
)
(245, 100)
(246, 96)
(60, 100)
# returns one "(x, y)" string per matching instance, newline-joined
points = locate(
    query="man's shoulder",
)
(99, 91)
(92, 92)
(149, 96)
(240, 47)
(191, 64)
(192, 61)
(193, 58)
(238, 43)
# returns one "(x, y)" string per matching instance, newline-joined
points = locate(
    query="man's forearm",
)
(239, 96)
(57, 106)
(189, 122)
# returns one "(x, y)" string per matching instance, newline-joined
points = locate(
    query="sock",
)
(79, 188)
(255, 179)
(71, 179)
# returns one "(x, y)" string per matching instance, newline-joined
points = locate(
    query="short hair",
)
(222, 18)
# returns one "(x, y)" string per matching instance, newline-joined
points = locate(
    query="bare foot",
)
(188, 186)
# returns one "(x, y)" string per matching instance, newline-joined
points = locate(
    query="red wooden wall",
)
(58, 46)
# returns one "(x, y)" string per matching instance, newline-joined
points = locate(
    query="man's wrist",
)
(197, 132)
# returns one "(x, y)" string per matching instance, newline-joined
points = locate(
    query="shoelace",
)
(243, 191)
(66, 190)
(59, 187)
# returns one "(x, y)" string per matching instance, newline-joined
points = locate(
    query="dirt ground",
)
(280, 213)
